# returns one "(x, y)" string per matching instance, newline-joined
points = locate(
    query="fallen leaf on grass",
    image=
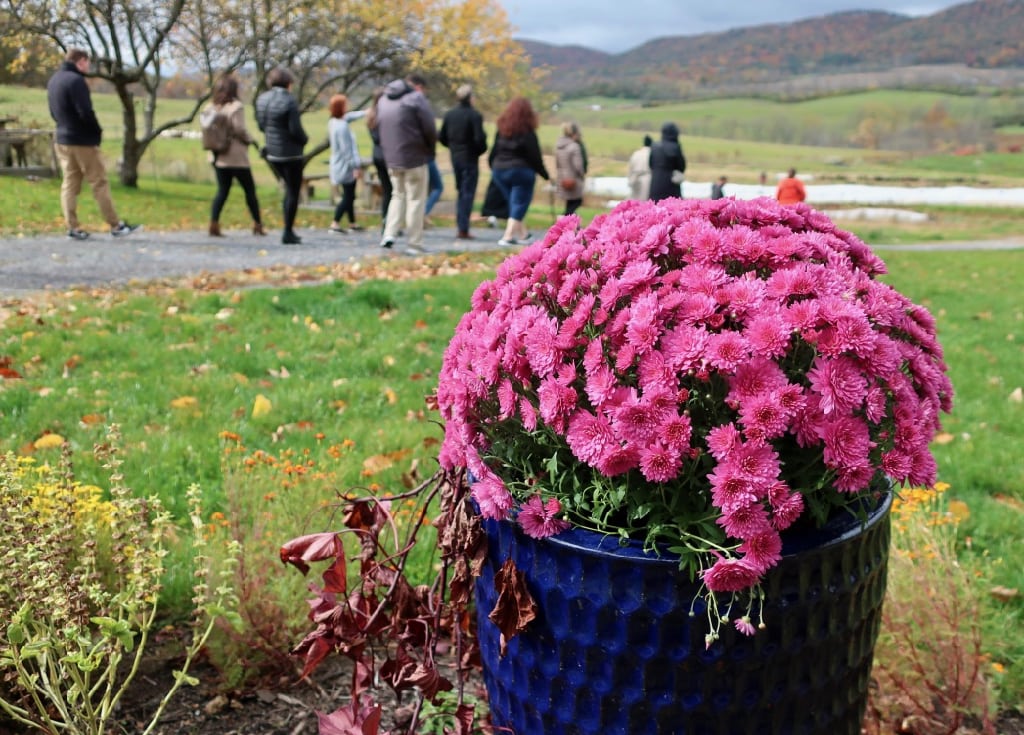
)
(93, 418)
(48, 441)
(943, 438)
(1017, 395)
(378, 462)
(185, 402)
(261, 406)
(1009, 501)
(1004, 594)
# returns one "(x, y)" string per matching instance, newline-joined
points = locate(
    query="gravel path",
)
(53, 262)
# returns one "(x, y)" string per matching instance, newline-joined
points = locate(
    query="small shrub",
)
(79, 589)
(929, 666)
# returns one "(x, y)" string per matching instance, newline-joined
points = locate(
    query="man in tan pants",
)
(78, 145)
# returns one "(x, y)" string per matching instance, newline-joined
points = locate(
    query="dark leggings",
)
(291, 176)
(347, 205)
(385, 187)
(225, 176)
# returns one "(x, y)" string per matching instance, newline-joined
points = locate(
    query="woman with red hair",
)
(516, 161)
(345, 165)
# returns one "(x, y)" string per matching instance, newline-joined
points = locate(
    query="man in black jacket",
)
(462, 133)
(78, 145)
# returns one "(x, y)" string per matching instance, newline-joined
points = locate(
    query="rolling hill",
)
(966, 43)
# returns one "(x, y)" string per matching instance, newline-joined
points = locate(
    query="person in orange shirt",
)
(791, 189)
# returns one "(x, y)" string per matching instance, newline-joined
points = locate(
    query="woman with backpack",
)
(233, 163)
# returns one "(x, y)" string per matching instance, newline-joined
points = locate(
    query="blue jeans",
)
(517, 186)
(435, 185)
(466, 177)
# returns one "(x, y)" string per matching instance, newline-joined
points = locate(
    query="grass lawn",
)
(330, 382)
(275, 399)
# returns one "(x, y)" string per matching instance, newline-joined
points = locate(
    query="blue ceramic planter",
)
(614, 649)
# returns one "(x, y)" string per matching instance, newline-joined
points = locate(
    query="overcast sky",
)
(619, 25)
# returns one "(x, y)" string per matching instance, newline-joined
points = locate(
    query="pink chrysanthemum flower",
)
(762, 550)
(841, 385)
(537, 517)
(590, 437)
(733, 361)
(744, 626)
(730, 575)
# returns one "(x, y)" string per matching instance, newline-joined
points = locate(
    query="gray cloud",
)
(619, 25)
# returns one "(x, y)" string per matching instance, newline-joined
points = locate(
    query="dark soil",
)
(289, 707)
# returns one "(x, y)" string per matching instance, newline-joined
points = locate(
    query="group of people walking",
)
(402, 127)
(656, 171)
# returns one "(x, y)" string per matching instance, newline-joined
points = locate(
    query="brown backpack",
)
(216, 130)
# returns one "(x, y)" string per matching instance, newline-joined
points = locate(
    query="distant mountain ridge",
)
(984, 34)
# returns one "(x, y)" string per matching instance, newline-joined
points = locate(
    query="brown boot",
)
(257, 229)
(215, 230)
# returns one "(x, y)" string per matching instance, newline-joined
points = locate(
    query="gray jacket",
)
(407, 128)
(277, 114)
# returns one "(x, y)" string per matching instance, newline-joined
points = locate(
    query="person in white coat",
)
(639, 171)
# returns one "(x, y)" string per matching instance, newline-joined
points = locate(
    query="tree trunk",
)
(131, 150)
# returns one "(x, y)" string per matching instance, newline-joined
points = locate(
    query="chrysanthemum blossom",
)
(699, 374)
(537, 517)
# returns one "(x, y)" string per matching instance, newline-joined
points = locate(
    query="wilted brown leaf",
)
(91, 419)
(515, 607)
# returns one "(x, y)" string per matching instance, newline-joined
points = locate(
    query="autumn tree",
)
(470, 42)
(130, 43)
(332, 46)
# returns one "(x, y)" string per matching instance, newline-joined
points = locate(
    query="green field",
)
(346, 367)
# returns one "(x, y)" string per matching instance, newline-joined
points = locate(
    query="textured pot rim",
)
(837, 530)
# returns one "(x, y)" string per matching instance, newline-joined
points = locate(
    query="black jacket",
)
(277, 114)
(518, 151)
(71, 107)
(666, 157)
(462, 133)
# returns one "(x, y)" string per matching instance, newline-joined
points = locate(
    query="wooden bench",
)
(15, 147)
(309, 187)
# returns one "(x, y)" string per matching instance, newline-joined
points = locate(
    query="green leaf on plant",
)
(185, 678)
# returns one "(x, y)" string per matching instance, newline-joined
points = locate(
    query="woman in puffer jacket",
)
(277, 114)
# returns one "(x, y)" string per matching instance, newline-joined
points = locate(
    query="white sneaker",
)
(414, 250)
(123, 228)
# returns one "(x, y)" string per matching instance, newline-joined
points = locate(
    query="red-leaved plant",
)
(390, 629)
(698, 375)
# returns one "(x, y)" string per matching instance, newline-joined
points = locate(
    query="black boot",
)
(290, 238)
